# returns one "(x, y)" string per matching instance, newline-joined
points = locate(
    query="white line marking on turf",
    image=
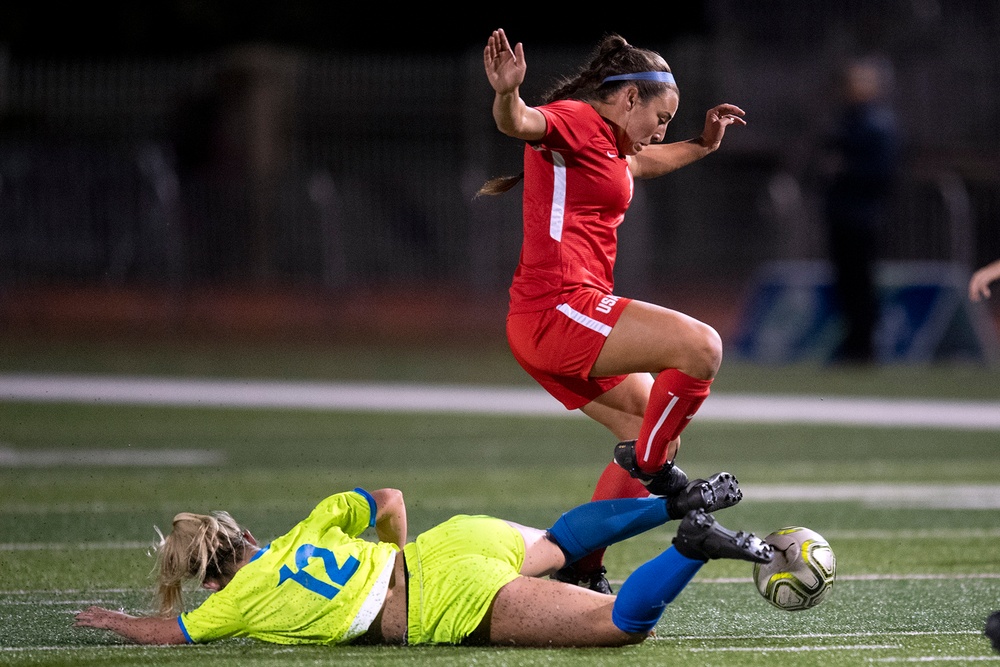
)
(829, 635)
(786, 649)
(934, 497)
(941, 658)
(73, 591)
(101, 647)
(120, 457)
(75, 546)
(930, 496)
(368, 397)
(868, 577)
(61, 603)
(932, 534)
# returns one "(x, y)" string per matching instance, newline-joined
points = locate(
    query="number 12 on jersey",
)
(338, 575)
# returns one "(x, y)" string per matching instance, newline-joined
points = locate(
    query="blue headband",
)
(662, 77)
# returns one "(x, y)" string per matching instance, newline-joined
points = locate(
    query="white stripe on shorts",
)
(589, 322)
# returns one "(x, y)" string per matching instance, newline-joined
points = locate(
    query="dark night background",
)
(187, 26)
(338, 148)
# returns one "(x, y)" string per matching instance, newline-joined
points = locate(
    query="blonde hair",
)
(199, 546)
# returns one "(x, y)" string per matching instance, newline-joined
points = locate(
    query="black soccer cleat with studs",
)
(719, 491)
(701, 537)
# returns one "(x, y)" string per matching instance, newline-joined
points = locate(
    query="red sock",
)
(673, 400)
(614, 482)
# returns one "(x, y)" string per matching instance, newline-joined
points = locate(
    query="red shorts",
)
(558, 346)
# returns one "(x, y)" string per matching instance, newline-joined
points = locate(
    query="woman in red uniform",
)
(591, 349)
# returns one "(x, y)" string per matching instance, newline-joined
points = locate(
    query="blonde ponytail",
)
(197, 547)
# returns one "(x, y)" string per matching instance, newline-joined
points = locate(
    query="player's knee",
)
(705, 356)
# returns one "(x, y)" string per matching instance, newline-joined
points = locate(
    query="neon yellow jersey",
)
(317, 584)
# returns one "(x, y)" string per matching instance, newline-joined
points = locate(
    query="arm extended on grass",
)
(139, 629)
(390, 516)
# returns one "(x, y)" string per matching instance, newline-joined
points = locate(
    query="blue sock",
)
(647, 591)
(601, 523)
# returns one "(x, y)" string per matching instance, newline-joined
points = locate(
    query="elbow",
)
(388, 500)
(509, 129)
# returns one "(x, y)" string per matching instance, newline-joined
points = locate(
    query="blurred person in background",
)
(591, 349)
(863, 153)
(979, 284)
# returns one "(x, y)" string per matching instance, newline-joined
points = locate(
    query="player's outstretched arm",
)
(505, 69)
(139, 629)
(659, 159)
(979, 285)
(390, 517)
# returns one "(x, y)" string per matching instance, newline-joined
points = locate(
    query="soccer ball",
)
(801, 574)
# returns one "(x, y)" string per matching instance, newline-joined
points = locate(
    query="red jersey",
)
(577, 187)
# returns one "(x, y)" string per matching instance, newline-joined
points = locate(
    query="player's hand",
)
(505, 67)
(97, 617)
(717, 119)
(979, 284)
(979, 289)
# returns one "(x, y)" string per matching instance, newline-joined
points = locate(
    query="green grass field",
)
(914, 522)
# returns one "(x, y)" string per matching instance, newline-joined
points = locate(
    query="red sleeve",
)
(569, 125)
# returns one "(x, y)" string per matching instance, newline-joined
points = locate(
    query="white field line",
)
(791, 649)
(935, 658)
(71, 591)
(882, 634)
(397, 397)
(11, 457)
(727, 581)
(102, 647)
(893, 535)
(882, 496)
(28, 649)
(876, 496)
(873, 577)
(74, 546)
(940, 658)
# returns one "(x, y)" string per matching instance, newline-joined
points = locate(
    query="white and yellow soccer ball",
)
(801, 574)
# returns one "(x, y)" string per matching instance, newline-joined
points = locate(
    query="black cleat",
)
(667, 481)
(992, 630)
(719, 491)
(701, 537)
(596, 580)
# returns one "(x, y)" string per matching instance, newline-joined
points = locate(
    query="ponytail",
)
(499, 185)
(613, 58)
(198, 547)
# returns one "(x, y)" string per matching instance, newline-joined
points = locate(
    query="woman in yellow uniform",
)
(471, 579)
